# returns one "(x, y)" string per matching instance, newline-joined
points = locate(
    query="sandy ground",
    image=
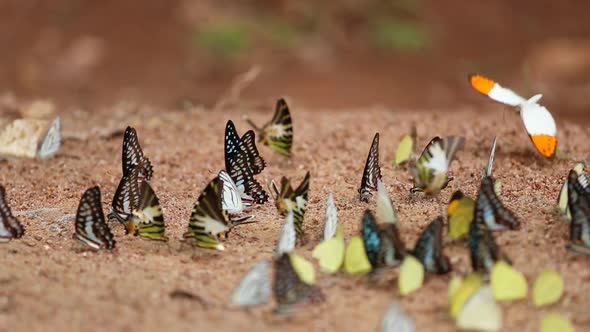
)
(46, 284)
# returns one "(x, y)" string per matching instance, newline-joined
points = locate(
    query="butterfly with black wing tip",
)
(132, 156)
(147, 221)
(127, 196)
(579, 206)
(562, 199)
(429, 172)
(383, 246)
(288, 199)
(208, 219)
(289, 290)
(429, 248)
(52, 140)
(90, 226)
(255, 287)
(484, 251)
(10, 227)
(372, 172)
(278, 133)
(495, 215)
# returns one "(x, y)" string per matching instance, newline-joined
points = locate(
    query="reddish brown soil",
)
(46, 284)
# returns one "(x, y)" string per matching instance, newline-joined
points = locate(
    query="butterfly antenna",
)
(272, 187)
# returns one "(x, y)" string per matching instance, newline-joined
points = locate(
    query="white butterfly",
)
(52, 140)
(480, 312)
(254, 288)
(395, 320)
(288, 236)
(231, 199)
(331, 221)
(385, 210)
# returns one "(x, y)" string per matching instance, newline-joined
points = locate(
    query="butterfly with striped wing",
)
(372, 172)
(147, 221)
(579, 206)
(429, 248)
(10, 227)
(288, 199)
(90, 226)
(132, 156)
(278, 133)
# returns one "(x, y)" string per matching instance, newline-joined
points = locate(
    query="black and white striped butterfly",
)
(242, 162)
(133, 156)
(372, 172)
(10, 227)
(232, 200)
(484, 251)
(127, 196)
(429, 248)
(579, 207)
(91, 228)
(495, 215)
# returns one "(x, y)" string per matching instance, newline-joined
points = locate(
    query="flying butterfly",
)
(278, 133)
(10, 227)
(52, 140)
(208, 219)
(289, 289)
(429, 248)
(383, 247)
(493, 213)
(288, 199)
(127, 195)
(90, 226)
(255, 287)
(562, 199)
(247, 144)
(147, 221)
(579, 205)
(483, 249)
(538, 121)
(372, 172)
(429, 172)
(132, 156)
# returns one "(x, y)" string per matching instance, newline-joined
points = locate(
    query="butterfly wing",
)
(133, 155)
(248, 146)
(460, 212)
(540, 126)
(208, 219)
(148, 218)
(255, 288)
(90, 226)
(244, 179)
(396, 320)
(489, 166)
(372, 172)
(429, 250)
(496, 216)
(579, 205)
(371, 237)
(278, 134)
(562, 199)
(232, 200)
(331, 219)
(484, 251)
(288, 236)
(494, 90)
(10, 227)
(52, 141)
(385, 210)
(127, 195)
(392, 249)
(288, 287)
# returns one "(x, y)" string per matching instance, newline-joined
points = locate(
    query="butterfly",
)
(278, 133)
(538, 122)
(491, 210)
(90, 226)
(331, 252)
(383, 247)
(480, 312)
(429, 249)
(396, 320)
(430, 171)
(208, 219)
(405, 148)
(579, 205)
(460, 213)
(254, 288)
(483, 249)
(52, 140)
(372, 172)
(490, 164)
(147, 221)
(127, 196)
(288, 236)
(232, 200)
(288, 199)
(132, 156)
(331, 219)
(10, 227)
(289, 289)
(562, 199)
(385, 210)
(247, 144)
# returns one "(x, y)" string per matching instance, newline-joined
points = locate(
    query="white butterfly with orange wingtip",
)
(537, 120)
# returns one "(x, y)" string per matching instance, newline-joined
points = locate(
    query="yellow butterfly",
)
(548, 288)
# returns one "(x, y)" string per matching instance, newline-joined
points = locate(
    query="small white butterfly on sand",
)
(52, 140)
(254, 288)
(331, 220)
(395, 320)
(385, 210)
(288, 236)
(231, 196)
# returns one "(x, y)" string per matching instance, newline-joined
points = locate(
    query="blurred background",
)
(324, 54)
